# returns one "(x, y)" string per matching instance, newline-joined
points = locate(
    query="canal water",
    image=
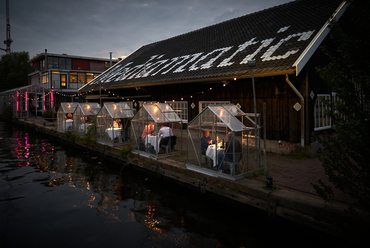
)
(53, 194)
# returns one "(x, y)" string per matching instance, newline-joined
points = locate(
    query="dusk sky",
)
(93, 28)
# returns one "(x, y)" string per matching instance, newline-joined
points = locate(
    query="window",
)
(322, 105)
(204, 104)
(322, 120)
(89, 77)
(35, 79)
(81, 78)
(68, 64)
(45, 78)
(42, 64)
(62, 63)
(73, 77)
(53, 63)
(181, 109)
(55, 79)
(63, 80)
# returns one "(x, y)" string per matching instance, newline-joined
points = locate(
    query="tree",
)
(346, 157)
(14, 69)
(346, 153)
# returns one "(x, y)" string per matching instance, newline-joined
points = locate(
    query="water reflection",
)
(77, 199)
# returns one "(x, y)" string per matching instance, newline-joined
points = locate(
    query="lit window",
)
(63, 80)
(89, 77)
(45, 78)
(73, 77)
(181, 109)
(81, 78)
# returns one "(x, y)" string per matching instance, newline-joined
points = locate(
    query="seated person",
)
(165, 132)
(205, 141)
(87, 120)
(228, 155)
(148, 129)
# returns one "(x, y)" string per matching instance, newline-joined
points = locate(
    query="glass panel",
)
(63, 80)
(68, 64)
(73, 77)
(220, 142)
(227, 118)
(114, 123)
(181, 109)
(119, 110)
(65, 116)
(155, 113)
(155, 132)
(45, 78)
(81, 78)
(85, 116)
(62, 63)
(168, 112)
(53, 63)
(89, 77)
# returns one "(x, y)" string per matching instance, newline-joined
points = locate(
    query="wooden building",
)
(210, 65)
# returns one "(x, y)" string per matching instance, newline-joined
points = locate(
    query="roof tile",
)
(274, 37)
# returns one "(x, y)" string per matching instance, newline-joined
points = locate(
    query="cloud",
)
(94, 28)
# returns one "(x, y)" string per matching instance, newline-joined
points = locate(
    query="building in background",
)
(64, 74)
(54, 78)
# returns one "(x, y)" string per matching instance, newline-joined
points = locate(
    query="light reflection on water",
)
(58, 195)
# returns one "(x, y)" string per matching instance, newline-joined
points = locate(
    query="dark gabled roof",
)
(277, 38)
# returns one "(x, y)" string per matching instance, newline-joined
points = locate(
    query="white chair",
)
(206, 158)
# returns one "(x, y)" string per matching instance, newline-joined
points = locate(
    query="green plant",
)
(70, 135)
(89, 138)
(125, 151)
(345, 154)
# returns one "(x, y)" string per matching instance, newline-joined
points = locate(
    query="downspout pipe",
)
(303, 108)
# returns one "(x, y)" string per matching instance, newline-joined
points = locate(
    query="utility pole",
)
(8, 40)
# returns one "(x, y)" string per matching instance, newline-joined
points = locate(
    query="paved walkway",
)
(299, 174)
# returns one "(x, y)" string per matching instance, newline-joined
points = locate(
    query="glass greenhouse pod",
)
(65, 116)
(156, 131)
(221, 141)
(85, 116)
(113, 123)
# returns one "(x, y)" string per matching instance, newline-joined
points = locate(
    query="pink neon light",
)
(52, 99)
(17, 101)
(44, 102)
(25, 102)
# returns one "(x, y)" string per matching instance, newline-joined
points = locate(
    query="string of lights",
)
(28, 96)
